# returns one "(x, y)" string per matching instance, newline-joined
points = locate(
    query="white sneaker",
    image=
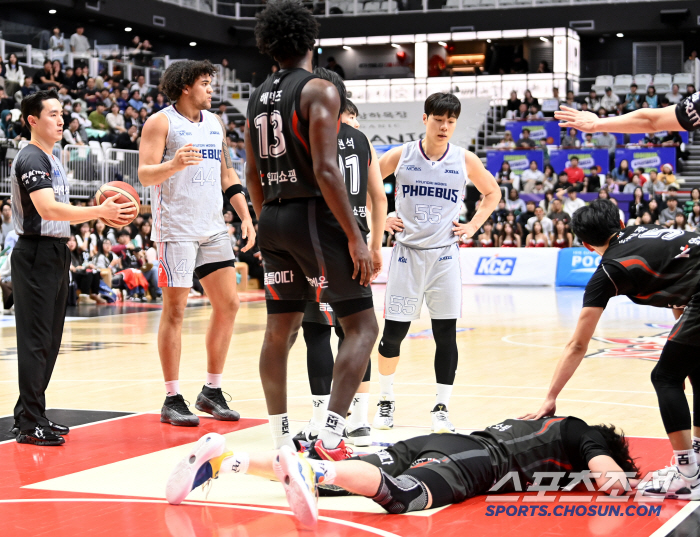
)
(299, 480)
(441, 420)
(671, 483)
(359, 435)
(384, 418)
(309, 433)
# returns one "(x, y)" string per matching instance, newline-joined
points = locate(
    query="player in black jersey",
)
(434, 470)
(311, 245)
(360, 167)
(654, 266)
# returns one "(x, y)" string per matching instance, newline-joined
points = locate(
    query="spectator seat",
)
(662, 82)
(622, 84)
(602, 82)
(683, 79)
(643, 81)
(371, 6)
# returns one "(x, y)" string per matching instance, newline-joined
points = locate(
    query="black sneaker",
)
(212, 401)
(306, 435)
(176, 411)
(40, 436)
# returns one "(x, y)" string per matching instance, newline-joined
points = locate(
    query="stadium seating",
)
(662, 82)
(622, 83)
(602, 82)
(643, 81)
(683, 79)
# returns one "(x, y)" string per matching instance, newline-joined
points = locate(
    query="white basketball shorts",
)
(180, 259)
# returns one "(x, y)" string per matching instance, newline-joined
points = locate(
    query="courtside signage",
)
(495, 266)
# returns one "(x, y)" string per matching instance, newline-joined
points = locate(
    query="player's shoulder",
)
(688, 112)
(32, 157)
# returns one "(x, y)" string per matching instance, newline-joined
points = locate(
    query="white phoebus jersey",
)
(428, 195)
(188, 206)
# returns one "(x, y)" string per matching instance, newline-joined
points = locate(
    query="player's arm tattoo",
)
(224, 147)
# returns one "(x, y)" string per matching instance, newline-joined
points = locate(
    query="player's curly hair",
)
(619, 448)
(181, 74)
(285, 29)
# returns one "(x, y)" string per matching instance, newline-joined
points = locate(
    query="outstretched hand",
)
(578, 119)
(548, 408)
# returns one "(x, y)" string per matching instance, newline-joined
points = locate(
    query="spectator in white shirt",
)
(139, 85)
(115, 120)
(610, 101)
(530, 177)
(71, 136)
(588, 141)
(547, 226)
(593, 101)
(514, 203)
(535, 113)
(572, 203)
(80, 46)
(689, 65)
(674, 97)
(57, 44)
(223, 114)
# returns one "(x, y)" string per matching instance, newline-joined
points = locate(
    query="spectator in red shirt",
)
(574, 173)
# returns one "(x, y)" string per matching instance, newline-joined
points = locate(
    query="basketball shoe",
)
(320, 452)
(441, 419)
(359, 435)
(212, 401)
(384, 418)
(308, 434)
(175, 411)
(201, 465)
(671, 483)
(299, 480)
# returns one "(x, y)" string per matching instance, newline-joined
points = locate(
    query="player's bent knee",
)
(401, 494)
(394, 334)
(661, 379)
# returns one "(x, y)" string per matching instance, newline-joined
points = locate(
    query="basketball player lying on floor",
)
(426, 471)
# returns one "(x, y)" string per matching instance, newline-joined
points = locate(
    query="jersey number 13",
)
(278, 147)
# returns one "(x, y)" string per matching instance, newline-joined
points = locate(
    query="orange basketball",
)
(122, 192)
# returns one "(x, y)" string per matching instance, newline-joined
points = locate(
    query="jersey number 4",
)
(263, 122)
(352, 163)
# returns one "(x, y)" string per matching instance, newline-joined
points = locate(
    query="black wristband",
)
(233, 190)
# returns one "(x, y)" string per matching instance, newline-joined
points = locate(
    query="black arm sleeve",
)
(599, 290)
(688, 112)
(33, 169)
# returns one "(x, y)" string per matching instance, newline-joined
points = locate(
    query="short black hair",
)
(334, 78)
(123, 232)
(595, 223)
(573, 158)
(33, 104)
(181, 74)
(439, 104)
(350, 108)
(618, 446)
(285, 29)
(526, 131)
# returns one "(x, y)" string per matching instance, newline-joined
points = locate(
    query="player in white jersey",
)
(184, 157)
(431, 177)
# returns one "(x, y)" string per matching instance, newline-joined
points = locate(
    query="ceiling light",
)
(395, 45)
(193, 43)
(127, 29)
(442, 43)
(544, 39)
(620, 35)
(488, 40)
(345, 47)
(320, 50)
(52, 11)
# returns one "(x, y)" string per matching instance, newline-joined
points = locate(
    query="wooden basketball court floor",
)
(109, 477)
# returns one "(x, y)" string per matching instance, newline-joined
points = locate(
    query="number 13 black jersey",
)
(280, 137)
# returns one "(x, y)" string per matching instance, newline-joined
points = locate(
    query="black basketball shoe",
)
(40, 436)
(176, 411)
(212, 401)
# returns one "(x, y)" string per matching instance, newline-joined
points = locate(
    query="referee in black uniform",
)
(42, 216)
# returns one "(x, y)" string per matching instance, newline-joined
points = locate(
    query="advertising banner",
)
(587, 159)
(539, 130)
(576, 266)
(648, 158)
(519, 160)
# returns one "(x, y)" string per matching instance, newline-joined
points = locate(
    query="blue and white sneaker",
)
(198, 468)
(671, 483)
(300, 481)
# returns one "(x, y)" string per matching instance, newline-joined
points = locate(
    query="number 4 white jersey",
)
(429, 195)
(188, 206)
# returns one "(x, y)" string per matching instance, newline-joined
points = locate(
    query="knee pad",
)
(401, 494)
(394, 334)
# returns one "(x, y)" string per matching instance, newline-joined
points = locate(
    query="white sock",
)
(172, 387)
(686, 461)
(360, 406)
(696, 444)
(327, 468)
(443, 394)
(237, 463)
(279, 424)
(386, 385)
(214, 380)
(332, 432)
(320, 403)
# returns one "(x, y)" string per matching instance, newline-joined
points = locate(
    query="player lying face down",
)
(427, 471)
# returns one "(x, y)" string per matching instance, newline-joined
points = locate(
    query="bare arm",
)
(152, 171)
(50, 209)
(642, 120)
(252, 177)
(389, 161)
(574, 352)
(486, 185)
(609, 472)
(321, 100)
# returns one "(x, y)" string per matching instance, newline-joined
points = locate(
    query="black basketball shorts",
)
(306, 257)
(687, 328)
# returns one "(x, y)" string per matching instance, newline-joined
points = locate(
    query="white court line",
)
(673, 522)
(339, 521)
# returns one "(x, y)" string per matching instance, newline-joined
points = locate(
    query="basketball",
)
(123, 192)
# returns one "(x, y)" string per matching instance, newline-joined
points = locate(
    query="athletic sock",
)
(360, 408)
(213, 380)
(327, 468)
(172, 387)
(386, 385)
(696, 445)
(332, 432)
(686, 461)
(237, 463)
(320, 403)
(279, 424)
(444, 391)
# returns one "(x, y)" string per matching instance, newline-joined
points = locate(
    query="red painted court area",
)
(42, 512)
